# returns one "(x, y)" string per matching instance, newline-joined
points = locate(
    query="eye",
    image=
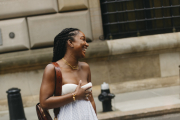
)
(83, 39)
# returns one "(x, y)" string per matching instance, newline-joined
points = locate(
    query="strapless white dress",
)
(77, 110)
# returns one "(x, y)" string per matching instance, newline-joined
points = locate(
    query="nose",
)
(87, 44)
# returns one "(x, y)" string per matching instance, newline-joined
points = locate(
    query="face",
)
(80, 45)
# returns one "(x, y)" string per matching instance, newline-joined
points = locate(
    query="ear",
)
(70, 43)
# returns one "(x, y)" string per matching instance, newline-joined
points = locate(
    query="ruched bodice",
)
(69, 88)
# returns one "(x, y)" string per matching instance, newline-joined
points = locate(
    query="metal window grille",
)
(127, 18)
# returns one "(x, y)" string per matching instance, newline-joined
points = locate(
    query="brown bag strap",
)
(58, 85)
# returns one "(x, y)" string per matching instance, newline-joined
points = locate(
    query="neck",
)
(71, 59)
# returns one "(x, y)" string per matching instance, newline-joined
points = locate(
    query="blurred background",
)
(134, 46)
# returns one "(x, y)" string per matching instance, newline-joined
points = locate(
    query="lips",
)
(84, 49)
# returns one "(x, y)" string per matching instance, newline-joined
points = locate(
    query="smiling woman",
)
(77, 104)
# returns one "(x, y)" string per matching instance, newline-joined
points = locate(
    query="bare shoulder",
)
(49, 71)
(84, 65)
(49, 67)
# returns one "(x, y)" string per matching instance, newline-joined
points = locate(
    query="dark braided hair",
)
(60, 41)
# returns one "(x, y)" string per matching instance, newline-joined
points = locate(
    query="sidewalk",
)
(129, 105)
(144, 103)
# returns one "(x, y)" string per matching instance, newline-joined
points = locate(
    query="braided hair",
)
(60, 41)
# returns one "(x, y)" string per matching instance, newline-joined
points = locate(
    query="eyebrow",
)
(83, 36)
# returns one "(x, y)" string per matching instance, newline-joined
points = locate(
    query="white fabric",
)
(77, 110)
(87, 85)
(69, 88)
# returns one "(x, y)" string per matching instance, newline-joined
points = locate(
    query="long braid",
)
(60, 41)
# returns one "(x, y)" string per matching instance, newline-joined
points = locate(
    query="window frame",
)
(149, 22)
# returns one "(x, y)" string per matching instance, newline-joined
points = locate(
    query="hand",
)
(82, 93)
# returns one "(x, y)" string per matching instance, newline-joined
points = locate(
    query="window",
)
(128, 18)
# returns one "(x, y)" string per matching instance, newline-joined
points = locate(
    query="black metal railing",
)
(127, 18)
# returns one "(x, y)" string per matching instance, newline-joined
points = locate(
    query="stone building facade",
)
(27, 30)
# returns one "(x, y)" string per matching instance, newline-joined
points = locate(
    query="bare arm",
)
(92, 102)
(47, 100)
(91, 96)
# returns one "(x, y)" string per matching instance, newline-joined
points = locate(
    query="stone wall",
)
(27, 30)
(128, 64)
(34, 23)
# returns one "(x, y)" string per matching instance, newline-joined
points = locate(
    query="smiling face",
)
(80, 45)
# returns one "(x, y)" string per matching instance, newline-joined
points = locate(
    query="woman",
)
(77, 104)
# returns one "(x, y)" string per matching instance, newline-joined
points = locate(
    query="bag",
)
(44, 114)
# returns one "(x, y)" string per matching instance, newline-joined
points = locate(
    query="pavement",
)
(131, 105)
(163, 117)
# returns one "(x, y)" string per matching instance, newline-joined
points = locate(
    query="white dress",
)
(77, 110)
